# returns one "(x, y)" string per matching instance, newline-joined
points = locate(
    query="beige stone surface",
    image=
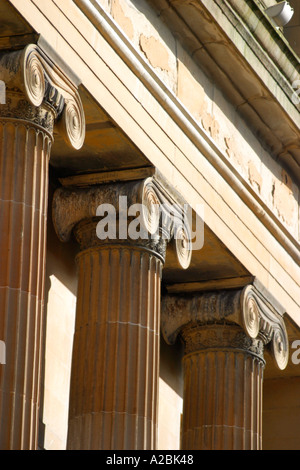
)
(106, 4)
(169, 417)
(155, 52)
(285, 201)
(139, 22)
(124, 21)
(60, 307)
(190, 87)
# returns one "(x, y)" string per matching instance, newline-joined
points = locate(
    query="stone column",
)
(33, 104)
(224, 334)
(115, 366)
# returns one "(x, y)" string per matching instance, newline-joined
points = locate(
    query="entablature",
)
(224, 36)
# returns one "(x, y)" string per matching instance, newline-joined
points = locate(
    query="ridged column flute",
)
(115, 364)
(224, 334)
(24, 155)
(221, 371)
(117, 340)
(27, 119)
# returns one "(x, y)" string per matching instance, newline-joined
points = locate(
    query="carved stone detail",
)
(246, 308)
(17, 109)
(219, 336)
(72, 125)
(222, 397)
(75, 211)
(38, 93)
(22, 70)
(224, 335)
(33, 104)
(118, 308)
(34, 82)
(250, 315)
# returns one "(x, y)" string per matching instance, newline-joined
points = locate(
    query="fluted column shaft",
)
(34, 103)
(113, 402)
(24, 155)
(115, 365)
(222, 390)
(224, 335)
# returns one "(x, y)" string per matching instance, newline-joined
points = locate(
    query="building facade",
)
(150, 225)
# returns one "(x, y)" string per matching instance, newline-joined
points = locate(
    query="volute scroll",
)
(269, 323)
(160, 222)
(247, 308)
(30, 76)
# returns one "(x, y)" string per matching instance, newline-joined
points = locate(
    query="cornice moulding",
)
(179, 113)
(246, 36)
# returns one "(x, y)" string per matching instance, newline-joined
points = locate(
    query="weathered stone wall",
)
(60, 306)
(209, 107)
(170, 396)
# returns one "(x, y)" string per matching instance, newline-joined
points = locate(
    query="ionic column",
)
(224, 335)
(33, 105)
(115, 365)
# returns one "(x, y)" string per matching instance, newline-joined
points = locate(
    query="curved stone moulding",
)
(174, 225)
(73, 205)
(174, 222)
(24, 71)
(246, 308)
(183, 245)
(33, 76)
(250, 313)
(71, 123)
(270, 325)
(32, 72)
(150, 207)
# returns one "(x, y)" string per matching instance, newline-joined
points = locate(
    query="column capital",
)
(161, 220)
(247, 308)
(37, 91)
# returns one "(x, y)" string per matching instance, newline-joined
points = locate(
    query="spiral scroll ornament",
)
(262, 321)
(280, 349)
(182, 240)
(150, 209)
(33, 76)
(72, 124)
(251, 321)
